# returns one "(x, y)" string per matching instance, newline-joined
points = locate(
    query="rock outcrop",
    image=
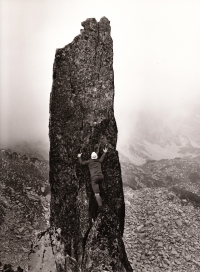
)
(82, 118)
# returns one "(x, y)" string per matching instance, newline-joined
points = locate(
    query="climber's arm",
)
(82, 162)
(104, 154)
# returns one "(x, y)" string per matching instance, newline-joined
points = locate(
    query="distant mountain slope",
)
(180, 173)
(162, 136)
(23, 205)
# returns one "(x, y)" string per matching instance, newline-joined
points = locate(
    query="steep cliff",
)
(82, 118)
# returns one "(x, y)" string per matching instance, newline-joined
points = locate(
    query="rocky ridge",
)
(161, 231)
(24, 205)
(179, 174)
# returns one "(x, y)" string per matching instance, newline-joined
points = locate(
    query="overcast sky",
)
(156, 58)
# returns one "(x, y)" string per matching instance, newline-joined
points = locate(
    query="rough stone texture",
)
(44, 255)
(161, 233)
(82, 118)
(48, 254)
(104, 249)
(23, 207)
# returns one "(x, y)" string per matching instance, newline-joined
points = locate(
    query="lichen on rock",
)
(82, 118)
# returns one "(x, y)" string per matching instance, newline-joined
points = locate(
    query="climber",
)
(97, 177)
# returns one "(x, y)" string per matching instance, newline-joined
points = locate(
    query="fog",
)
(156, 59)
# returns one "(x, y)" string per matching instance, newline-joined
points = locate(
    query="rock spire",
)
(82, 119)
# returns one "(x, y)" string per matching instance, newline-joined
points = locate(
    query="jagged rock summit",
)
(82, 118)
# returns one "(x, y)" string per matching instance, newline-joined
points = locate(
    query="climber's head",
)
(94, 156)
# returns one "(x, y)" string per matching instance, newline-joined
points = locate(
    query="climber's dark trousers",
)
(95, 186)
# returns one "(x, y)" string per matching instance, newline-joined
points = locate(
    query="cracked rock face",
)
(82, 119)
(104, 250)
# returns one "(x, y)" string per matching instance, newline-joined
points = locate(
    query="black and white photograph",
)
(100, 135)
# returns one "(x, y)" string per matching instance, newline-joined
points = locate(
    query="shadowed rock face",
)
(82, 118)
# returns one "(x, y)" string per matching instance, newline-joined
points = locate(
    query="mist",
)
(156, 60)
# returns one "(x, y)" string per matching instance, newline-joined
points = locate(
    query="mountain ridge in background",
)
(162, 136)
(38, 149)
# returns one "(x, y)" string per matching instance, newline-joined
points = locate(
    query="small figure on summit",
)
(96, 174)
